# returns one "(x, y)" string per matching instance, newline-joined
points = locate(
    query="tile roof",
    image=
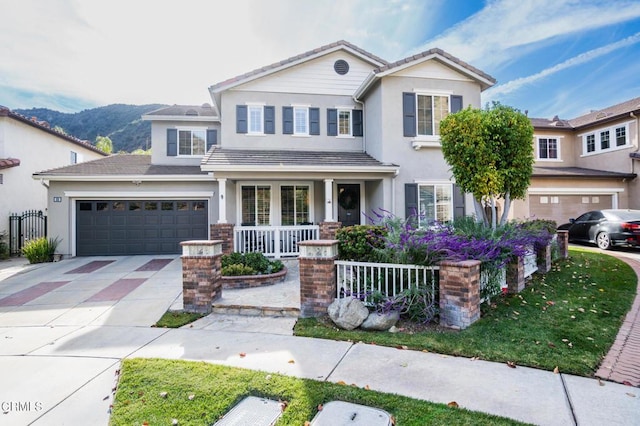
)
(229, 158)
(553, 123)
(293, 59)
(6, 163)
(579, 172)
(121, 165)
(623, 108)
(430, 52)
(44, 126)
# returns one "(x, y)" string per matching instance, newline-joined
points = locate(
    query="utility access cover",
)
(252, 411)
(340, 413)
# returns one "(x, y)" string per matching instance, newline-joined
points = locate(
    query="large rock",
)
(347, 313)
(380, 322)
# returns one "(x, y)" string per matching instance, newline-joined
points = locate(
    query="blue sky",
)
(550, 57)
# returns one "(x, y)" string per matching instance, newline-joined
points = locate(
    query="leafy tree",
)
(59, 130)
(141, 151)
(104, 144)
(490, 152)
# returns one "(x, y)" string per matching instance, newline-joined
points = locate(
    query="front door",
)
(349, 204)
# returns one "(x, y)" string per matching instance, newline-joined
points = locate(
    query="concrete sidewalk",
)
(64, 331)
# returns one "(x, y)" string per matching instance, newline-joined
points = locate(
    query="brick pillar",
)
(201, 278)
(317, 276)
(515, 275)
(563, 244)
(459, 293)
(543, 258)
(224, 233)
(328, 230)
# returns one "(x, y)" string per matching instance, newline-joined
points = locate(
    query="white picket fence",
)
(365, 279)
(273, 241)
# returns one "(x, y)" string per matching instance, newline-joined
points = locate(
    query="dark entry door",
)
(349, 204)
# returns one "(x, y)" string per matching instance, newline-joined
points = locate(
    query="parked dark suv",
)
(605, 228)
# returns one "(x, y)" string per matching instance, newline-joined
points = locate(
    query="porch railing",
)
(273, 241)
(364, 279)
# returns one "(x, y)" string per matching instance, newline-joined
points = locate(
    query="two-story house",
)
(586, 163)
(28, 146)
(282, 153)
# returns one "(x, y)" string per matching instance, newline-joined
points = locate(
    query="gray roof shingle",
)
(579, 172)
(594, 117)
(204, 110)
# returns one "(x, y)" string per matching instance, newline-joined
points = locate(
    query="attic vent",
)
(205, 105)
(191, 112)
(601, 115)
(341, 67)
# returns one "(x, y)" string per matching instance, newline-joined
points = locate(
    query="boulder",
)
(347, 313)
(380, 322)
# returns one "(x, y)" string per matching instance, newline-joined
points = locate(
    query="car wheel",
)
(603, 241)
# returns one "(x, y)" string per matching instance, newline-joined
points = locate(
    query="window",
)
(191, 142)
(300, 121)
(344, 122)
(435, 203)
(621, 136)
(430, 111)
(547, 148)
(256, 205)
(294, 204)
(604, 140)
(74, 157)
(255, 119)
(591, 143)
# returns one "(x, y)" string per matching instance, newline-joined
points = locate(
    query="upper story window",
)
(191, 142)
(423, 112)
(603, 140)
(548, 148)
(344, 122)
(74, 157)
(301, 121)
(254, 119)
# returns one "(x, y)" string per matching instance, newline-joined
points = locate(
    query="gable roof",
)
(45, 127)
(295, 60)
(581, 172)
(204, 112)
(122, 167)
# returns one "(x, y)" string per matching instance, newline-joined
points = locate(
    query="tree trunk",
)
(507, 207)
(481, 216)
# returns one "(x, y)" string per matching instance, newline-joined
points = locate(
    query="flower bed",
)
(251, 281)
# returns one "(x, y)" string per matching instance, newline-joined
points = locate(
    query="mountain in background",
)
(121, 123)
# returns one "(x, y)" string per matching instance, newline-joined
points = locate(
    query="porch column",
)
(222, 202)
(328, 200)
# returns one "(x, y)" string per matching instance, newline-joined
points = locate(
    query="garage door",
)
(562, 207)
(123, 227)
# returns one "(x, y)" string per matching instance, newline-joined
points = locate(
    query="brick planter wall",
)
(543, 258)
(224, 233)
(515, 275)
(201, 283)
(563, 244)
(459, 293)
(317, 276)
(250, 281)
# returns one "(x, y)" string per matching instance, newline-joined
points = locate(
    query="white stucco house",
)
(28, 146)
(281, 152)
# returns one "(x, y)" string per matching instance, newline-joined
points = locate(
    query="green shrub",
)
(256, 263)
(359, 242)
(4, 246)
(237, 269)
(40, 250)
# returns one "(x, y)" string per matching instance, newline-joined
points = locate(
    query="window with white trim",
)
(300, 121)
(607, 139)
(74, 157)
(256, 205)
(294, 204)
(344, 122)
(430, 111)
(192, 142)
(435, 203)
(255, 118)
(548, 148)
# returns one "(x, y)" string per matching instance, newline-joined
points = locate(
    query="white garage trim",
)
(607, 191)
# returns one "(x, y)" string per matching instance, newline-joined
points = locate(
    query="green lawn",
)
(567, 318)
(155, 392)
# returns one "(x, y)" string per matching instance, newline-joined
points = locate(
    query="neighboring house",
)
(283, 153)
(586, 163)
(28, 146)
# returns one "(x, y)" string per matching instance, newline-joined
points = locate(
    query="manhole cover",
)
(252, 411)
(339, 413)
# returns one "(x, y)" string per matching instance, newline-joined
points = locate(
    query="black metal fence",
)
(29, 225)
